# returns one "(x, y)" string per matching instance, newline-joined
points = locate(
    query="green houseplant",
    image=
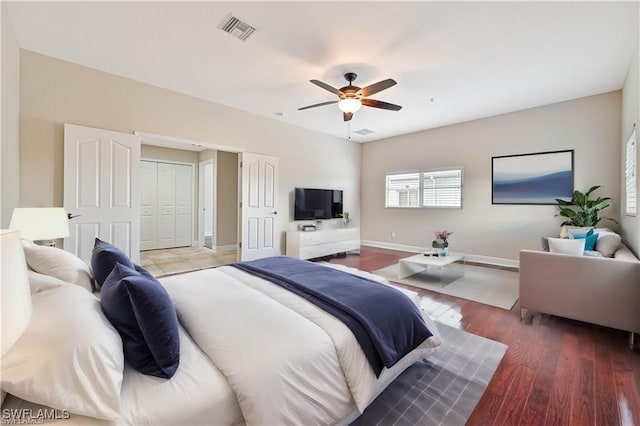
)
(582, 210)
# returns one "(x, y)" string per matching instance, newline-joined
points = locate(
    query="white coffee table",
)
(418, 263)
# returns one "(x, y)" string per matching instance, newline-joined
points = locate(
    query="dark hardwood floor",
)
(555, 372)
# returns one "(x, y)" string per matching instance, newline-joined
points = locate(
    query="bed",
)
(251, 352)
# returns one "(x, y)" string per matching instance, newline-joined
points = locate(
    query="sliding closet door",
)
(148, 204)
(183, 205)
(166, 213)
(166, 230)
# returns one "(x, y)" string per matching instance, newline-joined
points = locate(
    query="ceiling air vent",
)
(364, 132)
(236, 28)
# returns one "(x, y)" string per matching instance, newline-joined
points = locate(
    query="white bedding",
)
(287, 360)
(198, 394)
(263, 356)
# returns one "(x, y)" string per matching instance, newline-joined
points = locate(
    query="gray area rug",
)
(490, 286)
(442, 389)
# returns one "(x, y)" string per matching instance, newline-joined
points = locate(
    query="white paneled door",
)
(101, 189)
(166, 212)
(260, 231)
(148, 204)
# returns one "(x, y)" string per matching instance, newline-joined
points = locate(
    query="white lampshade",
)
(14, 289)
(349, 105)
(40, 223)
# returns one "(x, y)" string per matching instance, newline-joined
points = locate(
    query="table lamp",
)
(41, 224)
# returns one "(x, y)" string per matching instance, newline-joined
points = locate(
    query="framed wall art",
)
(537, 178)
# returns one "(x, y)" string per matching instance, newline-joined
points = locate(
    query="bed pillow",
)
(60, 264)
(142, 312)
(566, 246)
(104, 257)
(69, 357)
(40, 282)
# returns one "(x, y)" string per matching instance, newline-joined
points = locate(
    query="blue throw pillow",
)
(590, 237)
(104, 257)
(140, 309)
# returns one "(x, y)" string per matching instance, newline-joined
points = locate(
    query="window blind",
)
(426, 189)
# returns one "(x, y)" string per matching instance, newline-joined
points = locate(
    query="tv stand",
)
(312, 244)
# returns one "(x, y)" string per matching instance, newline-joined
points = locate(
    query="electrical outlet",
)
(393, 234)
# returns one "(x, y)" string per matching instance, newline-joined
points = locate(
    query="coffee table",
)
(418, 263)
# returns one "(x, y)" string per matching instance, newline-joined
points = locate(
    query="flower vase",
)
(444, 249)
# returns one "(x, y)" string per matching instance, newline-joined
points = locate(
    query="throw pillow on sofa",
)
(566, 246)
(590, 238)
(608, 243)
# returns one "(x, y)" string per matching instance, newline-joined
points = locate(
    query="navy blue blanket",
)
(385, 322)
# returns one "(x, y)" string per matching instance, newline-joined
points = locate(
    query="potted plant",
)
(582, 210)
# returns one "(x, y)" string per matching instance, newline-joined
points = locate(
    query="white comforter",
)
(287, 361)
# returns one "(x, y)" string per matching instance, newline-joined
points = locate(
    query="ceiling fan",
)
(351, 97)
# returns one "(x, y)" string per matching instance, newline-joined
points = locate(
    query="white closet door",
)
(166, 229)
(183, 204)
(148, 204)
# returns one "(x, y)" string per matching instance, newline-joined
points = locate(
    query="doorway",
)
(214, 213)
(207, 202)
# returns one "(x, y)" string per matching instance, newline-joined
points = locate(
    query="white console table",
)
(312, 244)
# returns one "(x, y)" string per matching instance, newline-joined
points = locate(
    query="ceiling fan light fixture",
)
(349, 105)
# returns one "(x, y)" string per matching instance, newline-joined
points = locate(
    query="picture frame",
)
(532, 179)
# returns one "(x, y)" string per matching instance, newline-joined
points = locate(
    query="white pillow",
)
(40, 282)
(69, 357)
(565, 246)
(608, 243)
(59, 264)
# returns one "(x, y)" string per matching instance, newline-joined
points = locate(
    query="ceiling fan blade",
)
(377, 87)
(325, 86)
(317, 105)
(380, 104)
(347, 116)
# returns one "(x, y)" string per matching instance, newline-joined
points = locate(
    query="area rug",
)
(442, 389)
(491, 286)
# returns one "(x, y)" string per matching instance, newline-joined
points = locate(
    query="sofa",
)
(598, 290)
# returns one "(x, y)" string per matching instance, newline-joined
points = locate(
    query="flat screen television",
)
(312, 203)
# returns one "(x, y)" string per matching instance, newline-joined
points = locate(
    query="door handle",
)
(275, 212)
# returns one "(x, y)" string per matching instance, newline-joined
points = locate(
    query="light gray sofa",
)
(598, 290)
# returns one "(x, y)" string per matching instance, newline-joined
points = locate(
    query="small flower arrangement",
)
(443, 235)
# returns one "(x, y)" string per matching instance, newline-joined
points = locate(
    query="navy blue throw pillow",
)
(104, 257)
(140, 309)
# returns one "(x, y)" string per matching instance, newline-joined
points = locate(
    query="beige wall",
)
(631, 116)
(590, 126)
(151, 152)
(9, 85)
(227, 199)
(54, 92)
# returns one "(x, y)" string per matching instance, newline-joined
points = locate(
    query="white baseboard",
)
(488, 260)
(222, 249)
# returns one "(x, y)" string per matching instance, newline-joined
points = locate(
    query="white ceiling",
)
(453, 61)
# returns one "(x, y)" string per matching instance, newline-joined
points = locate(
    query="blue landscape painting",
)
(532, 178)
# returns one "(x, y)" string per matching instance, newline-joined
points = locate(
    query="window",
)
(630, 175)
(428, 189)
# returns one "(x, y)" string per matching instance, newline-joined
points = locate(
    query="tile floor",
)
(182, 259)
